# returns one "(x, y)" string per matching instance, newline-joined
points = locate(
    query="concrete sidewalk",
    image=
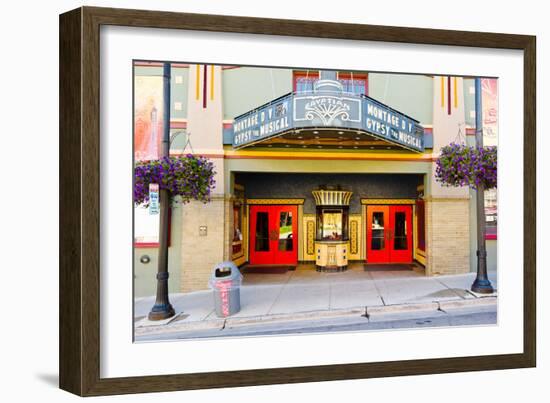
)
(305, 294)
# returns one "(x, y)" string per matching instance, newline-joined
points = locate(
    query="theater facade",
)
(315, 168)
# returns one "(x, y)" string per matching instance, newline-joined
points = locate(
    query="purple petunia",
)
(462, 165)
(189, 177)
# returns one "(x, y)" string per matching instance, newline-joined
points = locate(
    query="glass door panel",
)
(262, 232)
(400, 231)
(285, 231)
(378, 234)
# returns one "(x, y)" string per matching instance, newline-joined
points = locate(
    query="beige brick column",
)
(447, 209)
(228, 229)
(199, 253)
(447, 236)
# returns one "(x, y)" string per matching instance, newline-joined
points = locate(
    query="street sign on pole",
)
(154, 207)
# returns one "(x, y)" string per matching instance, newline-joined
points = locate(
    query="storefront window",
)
(491, 214)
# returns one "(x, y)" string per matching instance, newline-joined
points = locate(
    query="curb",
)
(372, 313)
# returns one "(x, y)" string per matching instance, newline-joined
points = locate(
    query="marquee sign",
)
(327, 109)
(262, 123)
(384, 122)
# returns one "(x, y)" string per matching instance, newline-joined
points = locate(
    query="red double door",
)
(389, 234)
(273, 235)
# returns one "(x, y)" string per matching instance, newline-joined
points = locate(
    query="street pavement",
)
(308, 301)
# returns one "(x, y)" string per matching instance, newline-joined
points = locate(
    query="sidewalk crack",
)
(377, 289)
(366, 314)
(279, 294)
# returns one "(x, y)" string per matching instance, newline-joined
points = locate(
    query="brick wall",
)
(447, 236)
(199, 254)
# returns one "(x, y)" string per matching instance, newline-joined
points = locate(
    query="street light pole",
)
(162, 308)
(481, 284)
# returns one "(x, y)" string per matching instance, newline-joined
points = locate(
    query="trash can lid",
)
(227, 271)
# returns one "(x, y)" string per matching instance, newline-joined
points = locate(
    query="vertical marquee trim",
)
(448, 95)
(197, 81)
(442, 90)
(455, 81)
(212, 82)
(204, 86)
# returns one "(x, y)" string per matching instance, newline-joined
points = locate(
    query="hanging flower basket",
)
(188, 177)
(463, 165)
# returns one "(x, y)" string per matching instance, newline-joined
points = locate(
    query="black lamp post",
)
(162, 308)
(481, 284)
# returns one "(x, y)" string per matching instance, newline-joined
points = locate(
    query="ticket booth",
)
(332, 235)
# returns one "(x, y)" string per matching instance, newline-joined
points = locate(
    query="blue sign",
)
(154, 207)
(384, 122)
(330, 109)
(263, 122)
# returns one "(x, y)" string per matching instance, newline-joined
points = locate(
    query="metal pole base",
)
(161, 311)
(482, 287)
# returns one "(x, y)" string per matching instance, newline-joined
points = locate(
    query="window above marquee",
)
(355, 83)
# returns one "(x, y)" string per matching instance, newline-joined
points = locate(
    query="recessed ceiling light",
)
(304, 146)
(340, 132)
(340, 147)
(355, 147)
(315, 132)
(389, 148)
(319, 146)
(300, 137)
(287, 145)
(270, 145)
(358, 138)
(372, 148)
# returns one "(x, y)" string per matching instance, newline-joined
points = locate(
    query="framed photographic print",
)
(251, 201)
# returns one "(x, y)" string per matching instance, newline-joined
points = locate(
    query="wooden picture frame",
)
(80, 197)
